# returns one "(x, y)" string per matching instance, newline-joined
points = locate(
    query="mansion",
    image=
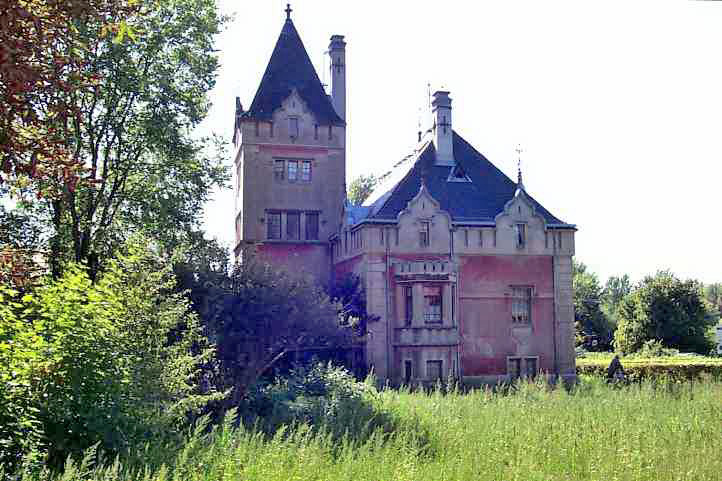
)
(468, 274)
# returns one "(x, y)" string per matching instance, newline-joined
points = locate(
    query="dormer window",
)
(457, 174)
(293, 127)
(520, 235)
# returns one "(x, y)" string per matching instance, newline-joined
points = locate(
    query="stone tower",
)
(290, 158)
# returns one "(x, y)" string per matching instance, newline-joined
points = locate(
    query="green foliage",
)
(713, 295)
(657, 371)
(667, 309)
(655, 348)
(349, 294)
(646, 432)
(147, 172)
(257, 314)
(361, 187)
(615, 289)
(326, 397)
(590, 320)
(113, 362)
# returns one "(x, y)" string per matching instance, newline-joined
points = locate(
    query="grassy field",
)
(531, 433)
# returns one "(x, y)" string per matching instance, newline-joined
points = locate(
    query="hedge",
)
(636, 372)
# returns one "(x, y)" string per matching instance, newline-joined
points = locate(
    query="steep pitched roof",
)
(482, 199)
(290, 68)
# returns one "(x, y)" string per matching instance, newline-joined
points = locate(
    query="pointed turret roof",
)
(290, 68)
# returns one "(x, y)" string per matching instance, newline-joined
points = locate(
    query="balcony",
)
(426, 336)
(425, 270)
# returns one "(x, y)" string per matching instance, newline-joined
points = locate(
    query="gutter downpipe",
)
(386, 296)
(554, 320)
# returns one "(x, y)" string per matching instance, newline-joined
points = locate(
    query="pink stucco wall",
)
(485, 311)
(304, 259)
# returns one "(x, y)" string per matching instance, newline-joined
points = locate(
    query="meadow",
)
(649, 431)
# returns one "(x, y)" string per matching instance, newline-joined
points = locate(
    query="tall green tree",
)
(256, 315)
(146, 171)
(713, 294)
(667, 309)
(361, 187)
(615, 289)
(589, 319)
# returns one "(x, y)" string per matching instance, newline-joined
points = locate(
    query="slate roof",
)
(289, 68)
(480, 200)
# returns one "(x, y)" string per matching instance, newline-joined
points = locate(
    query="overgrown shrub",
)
(655, 348)
(113, 362)
(326, 398)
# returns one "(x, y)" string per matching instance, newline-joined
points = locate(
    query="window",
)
(434, 370)
(453, 303)
(306, 171)
(330, 132)
(407, 372)
(293, 127)
(293, 226)
(270, 129)
(521, 305)
(396, 236)
(520, 235)
(258, 129)
(466, 238)
(531, 367)
(517, 367)
(292, 170)
(312, 226)
(381, 236)
(274, 225)
(481, 238)
(424, 234)
(457, 174)
(513, 367)
(432, 304)
(315, 132)
(279, 168)
(408, 305)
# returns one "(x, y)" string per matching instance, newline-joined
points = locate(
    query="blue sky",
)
(618, 106)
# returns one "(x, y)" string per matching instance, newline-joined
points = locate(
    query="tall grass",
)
(646, 432)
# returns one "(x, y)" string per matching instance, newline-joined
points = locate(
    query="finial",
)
(288, 11)
(519, 150)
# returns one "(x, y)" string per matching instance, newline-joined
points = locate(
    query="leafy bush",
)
(327, 399)
(320, 395)
(655, 348)
(112, 362)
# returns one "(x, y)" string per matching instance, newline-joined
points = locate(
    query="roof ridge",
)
(391, 193)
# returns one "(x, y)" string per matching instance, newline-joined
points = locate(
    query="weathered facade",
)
(469, 275)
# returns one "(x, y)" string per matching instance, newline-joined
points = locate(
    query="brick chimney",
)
(443, 138)
(337, 52)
